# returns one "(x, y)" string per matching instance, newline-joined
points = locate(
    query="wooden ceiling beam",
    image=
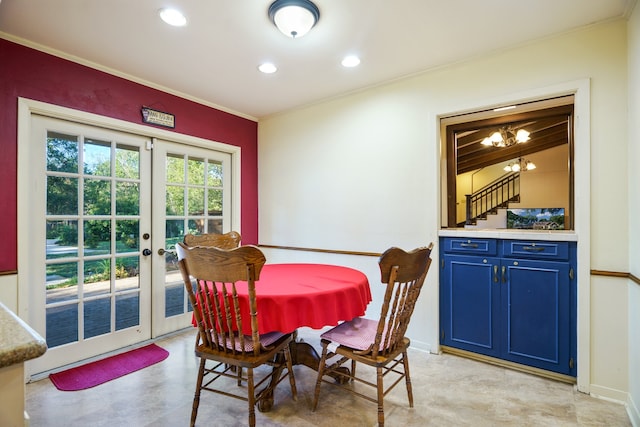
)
(545, 132)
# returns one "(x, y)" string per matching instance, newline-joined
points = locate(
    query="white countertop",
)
(513, 234)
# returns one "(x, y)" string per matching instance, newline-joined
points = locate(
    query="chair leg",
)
(196, 396)
(292, 378)
(252, 397)
(380, 397)
(321, 367)
(407, 378)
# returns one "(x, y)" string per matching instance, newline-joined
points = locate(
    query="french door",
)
(191, 195)
(105, 209)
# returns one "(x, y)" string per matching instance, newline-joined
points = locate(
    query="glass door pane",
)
(93, 229)
(196, 200)
(94, 279)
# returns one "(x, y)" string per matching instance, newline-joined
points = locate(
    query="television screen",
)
(536, 218)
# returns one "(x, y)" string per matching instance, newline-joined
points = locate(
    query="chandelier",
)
(520, 165)
(506, 136)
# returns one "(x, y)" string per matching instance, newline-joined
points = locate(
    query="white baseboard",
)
(633, 411)
(421, 346)
(609, 394)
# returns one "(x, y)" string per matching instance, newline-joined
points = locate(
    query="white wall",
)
(9, 291)
(609, 372)
(357, 184)
(547, 186)
(634, 208)
(367, 176)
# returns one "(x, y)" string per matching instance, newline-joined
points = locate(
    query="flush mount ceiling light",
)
(506, 136)
(294, 18)
(173, 17)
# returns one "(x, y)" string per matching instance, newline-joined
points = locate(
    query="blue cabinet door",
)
(470, 304)
(536, 310)
(513, 300)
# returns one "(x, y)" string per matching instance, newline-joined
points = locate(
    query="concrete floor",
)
(448, 391)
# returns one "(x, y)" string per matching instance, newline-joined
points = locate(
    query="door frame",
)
(581, 89)
(28, 107)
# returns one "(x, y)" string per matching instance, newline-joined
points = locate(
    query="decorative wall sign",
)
(159, 118)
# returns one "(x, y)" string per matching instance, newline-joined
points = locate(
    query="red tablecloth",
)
(290, 296)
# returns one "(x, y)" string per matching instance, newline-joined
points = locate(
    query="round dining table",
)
(291, 296)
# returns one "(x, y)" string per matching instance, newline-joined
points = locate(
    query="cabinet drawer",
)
(470, 246)
(537, 250)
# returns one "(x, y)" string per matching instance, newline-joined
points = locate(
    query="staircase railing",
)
(496, 195)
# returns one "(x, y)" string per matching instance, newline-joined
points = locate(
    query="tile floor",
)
(448, 391)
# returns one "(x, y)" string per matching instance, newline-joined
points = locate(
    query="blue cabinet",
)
(509, 299)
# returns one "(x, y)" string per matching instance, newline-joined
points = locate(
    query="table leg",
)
(303, 353)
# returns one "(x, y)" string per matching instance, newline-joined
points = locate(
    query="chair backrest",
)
(228, 240)
(210, 276)
(404, 274)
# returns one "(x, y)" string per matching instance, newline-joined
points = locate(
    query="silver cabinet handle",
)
(469, 245)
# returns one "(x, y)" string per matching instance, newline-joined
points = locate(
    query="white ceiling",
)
(214, 58)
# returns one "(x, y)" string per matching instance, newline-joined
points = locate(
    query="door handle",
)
(146, 252)
(163, 251)
(504, 276)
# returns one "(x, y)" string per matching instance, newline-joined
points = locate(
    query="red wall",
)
(28, 73)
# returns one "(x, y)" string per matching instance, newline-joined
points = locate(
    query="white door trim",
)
(581, 89)
(28, 107)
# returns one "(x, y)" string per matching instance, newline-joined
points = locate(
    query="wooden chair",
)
(228, 240)
(210, 275)
(378, 343)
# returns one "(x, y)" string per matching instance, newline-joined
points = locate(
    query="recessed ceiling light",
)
(351, 61)
(173, 17)
(267, 68)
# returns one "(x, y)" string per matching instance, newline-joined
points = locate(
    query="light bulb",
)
(496, 137)
(267, 68)
(351, 61)
(522, 135)
(173, 17)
